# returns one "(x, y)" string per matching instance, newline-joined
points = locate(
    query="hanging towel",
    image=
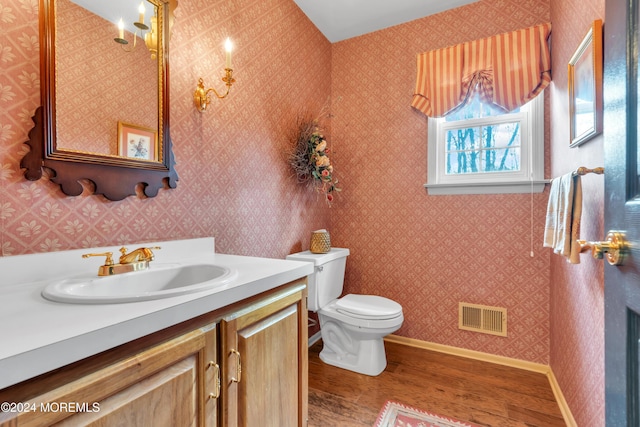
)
(562, 227)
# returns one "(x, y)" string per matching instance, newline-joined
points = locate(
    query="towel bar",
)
(583, 171)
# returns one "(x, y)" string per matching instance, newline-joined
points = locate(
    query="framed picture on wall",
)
(137, 142)
(585, 87)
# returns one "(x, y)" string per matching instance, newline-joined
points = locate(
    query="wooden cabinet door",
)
(166, 385)
(264, 358)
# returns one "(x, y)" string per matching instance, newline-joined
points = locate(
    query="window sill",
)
(487, 187)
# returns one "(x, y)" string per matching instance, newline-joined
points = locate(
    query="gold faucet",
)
(139, 255)
(133, 261)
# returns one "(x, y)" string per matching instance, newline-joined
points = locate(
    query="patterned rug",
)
(395, 414)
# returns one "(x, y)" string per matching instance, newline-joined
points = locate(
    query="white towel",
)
(562, 227)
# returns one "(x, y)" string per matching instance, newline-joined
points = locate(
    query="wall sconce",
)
(150, 39)
(201, 95)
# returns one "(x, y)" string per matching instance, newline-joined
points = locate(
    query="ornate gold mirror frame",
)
(112, 176)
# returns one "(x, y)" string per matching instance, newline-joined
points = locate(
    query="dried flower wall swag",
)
(309, 157)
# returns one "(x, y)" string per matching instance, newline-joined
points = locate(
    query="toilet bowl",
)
(352, 327)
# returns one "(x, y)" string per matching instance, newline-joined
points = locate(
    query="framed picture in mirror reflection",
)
(137, 142)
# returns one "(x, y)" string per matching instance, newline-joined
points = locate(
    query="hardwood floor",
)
(469, 390)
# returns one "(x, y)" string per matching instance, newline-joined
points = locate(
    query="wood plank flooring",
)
(469, 390)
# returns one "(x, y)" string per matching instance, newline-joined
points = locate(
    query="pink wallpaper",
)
(427, 252)
(234, 183)
(97, 80)
(577, 291)
(431, 252)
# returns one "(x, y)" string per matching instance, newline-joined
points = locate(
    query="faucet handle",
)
(124, 250)
(138, 255)
(108, 261)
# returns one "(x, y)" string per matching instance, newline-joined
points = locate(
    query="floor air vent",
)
(482, 318)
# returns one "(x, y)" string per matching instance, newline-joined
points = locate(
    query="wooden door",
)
(264, 363)
(269, 391)
(622, 211)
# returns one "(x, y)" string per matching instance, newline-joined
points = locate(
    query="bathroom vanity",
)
(233, 355)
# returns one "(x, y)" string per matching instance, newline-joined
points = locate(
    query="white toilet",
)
(352, 327)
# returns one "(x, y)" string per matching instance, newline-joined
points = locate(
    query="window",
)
(479, 149)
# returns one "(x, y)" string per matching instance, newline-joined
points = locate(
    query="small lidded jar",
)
(320, 242)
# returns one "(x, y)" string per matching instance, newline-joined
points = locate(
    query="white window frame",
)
(529, 179)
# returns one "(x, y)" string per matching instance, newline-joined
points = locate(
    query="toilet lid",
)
(368, 307)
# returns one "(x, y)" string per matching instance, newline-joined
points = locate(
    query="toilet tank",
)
(326, 283)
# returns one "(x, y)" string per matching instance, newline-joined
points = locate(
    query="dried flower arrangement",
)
(309, 157)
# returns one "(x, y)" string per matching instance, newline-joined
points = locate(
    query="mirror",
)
(105, 108)
(103, 81)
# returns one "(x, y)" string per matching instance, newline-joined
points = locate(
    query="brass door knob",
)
(614, 248)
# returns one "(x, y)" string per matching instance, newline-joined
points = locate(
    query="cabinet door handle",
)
(216, 379)
(238, 367)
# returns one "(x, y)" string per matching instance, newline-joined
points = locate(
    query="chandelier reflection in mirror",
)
(201, 95)
(150, 38)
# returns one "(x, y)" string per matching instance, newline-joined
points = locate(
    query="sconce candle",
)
(121, 29)
(228, 47)
(141, 11)
(140, 23)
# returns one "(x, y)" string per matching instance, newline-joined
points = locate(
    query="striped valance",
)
(507, 70)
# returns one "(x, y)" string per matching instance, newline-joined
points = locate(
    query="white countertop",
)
(40, 335)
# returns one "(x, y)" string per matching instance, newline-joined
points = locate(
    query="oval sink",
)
(159, 281)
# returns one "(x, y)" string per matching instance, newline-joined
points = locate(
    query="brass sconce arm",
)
(201, 95)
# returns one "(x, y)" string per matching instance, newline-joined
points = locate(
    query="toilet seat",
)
(370, 321)
(370, 307)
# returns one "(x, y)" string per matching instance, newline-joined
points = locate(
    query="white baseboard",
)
(562, 403)
(500, 360)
